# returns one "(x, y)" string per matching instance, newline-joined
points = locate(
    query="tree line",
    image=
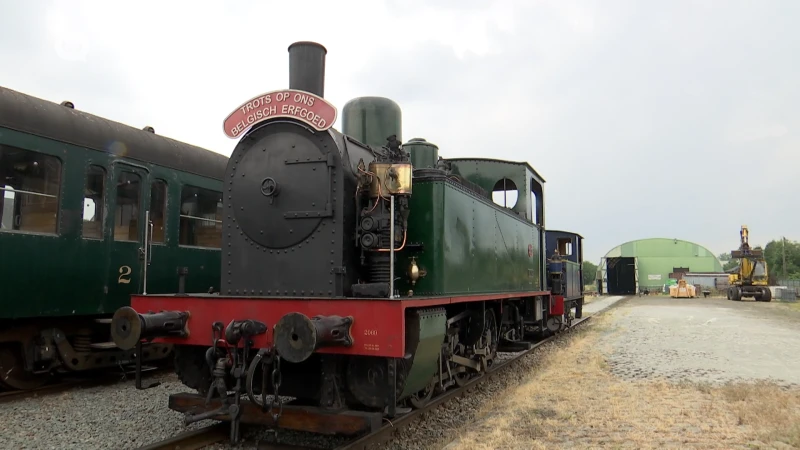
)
(589, 273)
(776, 252)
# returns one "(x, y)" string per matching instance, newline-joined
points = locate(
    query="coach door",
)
(126, 256)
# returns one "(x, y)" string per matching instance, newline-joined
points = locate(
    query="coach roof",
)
(28, 114)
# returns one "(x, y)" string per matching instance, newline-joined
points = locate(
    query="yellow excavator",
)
(750, 277)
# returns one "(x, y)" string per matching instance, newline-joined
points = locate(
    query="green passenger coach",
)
(84, 202)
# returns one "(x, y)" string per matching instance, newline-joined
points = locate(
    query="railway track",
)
(219, 432)
(83, 380)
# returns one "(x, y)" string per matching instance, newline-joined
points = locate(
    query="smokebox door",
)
(282, 185)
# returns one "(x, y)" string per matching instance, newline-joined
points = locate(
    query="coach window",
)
(30, 184)
(201, 217)
(158, 206)
(93, 205)
(126, 216)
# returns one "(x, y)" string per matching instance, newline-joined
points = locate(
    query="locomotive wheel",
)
(491, 337)
(362, 373)
(421, 398)
(554, 323)
(462, 378)
(13, 374)
(192, 368)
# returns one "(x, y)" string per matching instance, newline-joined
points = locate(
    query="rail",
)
(194, 439)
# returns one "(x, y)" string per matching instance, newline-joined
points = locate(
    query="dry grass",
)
(573, 401)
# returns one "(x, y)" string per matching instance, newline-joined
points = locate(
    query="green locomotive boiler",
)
(91, 212)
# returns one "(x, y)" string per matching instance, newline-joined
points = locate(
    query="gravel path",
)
(601, 304)
(709, 340)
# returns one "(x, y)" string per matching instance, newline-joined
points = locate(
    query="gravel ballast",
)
(113, 416)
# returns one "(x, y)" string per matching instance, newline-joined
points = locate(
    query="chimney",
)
(307, 67)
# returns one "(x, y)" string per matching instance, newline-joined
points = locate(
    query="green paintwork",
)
(65, 274)
(372, 119)
(423, 154)
(429, 327)
(471, 245)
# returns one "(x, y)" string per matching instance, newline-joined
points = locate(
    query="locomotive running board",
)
(294, 417)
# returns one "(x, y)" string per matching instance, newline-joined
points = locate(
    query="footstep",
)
(713, 319)
(652, 320)
(690, 318)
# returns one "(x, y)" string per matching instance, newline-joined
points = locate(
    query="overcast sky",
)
(670, 119)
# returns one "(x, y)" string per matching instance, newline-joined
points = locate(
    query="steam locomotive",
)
(359, 273)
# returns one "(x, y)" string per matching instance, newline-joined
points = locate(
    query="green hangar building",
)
(650, 263)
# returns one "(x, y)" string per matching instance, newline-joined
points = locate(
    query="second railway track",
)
(219, 432)
(82, 380)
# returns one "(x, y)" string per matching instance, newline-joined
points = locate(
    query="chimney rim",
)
(312, 43)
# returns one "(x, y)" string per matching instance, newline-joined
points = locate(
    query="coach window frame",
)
(164, 211)
(196, 219)
(102, 208)
(139, 203)
(58, 196)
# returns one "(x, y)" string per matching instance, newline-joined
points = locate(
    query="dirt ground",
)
(655, 372)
